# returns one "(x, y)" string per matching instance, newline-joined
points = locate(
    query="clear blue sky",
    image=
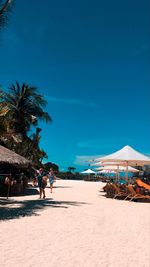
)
(91, 61)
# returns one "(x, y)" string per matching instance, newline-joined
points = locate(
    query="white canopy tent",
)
(127, 155)
(117, 168)
(89, 171)
(118, 163)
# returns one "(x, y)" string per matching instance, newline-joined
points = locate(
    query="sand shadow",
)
(31, 191)
(13, 209)
(122, 198)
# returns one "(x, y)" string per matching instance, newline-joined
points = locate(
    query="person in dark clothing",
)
(42, 182)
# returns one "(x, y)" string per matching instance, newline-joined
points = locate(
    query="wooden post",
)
(9, 185)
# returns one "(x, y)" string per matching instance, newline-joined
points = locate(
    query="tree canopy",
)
(21, 108)
(5, 8)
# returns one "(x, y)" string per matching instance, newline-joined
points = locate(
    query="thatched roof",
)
(10, 157)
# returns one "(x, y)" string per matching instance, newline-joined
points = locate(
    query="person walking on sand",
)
(42, 182)
(52, 178)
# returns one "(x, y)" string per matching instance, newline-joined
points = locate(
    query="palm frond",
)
(25, 107)
(5, 9)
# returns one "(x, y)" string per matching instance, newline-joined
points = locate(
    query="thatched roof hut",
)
(10, 157)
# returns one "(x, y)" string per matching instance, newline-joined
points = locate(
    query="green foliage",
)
(49, 165)
(20, 109)
(70, 176)
(71, 169)
(24, 107)
(5, 8)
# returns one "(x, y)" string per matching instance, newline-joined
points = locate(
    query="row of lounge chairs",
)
(126, 192)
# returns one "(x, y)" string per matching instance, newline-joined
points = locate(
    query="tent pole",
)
(127, 172)
(118, 176)
(9, 184)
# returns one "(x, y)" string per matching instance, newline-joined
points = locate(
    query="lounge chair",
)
(142, 184)
(109, 190)
(133, 195)
(118, 192)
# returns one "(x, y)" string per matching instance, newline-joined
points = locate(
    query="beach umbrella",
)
(121, 163)
(101, 163)
(117, 166)
(117, 169)
(127, 155)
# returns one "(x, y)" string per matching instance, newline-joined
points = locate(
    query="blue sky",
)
(90, 59)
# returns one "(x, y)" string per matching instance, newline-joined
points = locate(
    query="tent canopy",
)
(118, 163)
(126, 154)
(118, 168)
(89, 171)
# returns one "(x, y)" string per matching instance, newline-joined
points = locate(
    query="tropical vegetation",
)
(21, 108)
(71, 169)
(52, 165)
(5, 8)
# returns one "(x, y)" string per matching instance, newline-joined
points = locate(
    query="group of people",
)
(42, 177)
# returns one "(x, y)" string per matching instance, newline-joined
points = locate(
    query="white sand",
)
(77, 227)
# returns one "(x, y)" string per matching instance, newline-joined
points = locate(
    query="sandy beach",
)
(75, 226)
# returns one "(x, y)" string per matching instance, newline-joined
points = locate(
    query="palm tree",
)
(70, 169)
(4, 10)
(34, 152)
(8, 137)
(20, 109)
(35, 137)
(23, 107)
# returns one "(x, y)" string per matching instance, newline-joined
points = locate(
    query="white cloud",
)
(85, 160)
(71, 101)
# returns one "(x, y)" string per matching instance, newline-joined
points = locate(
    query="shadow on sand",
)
(122, 198)
(13, 209)
(31, 191)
